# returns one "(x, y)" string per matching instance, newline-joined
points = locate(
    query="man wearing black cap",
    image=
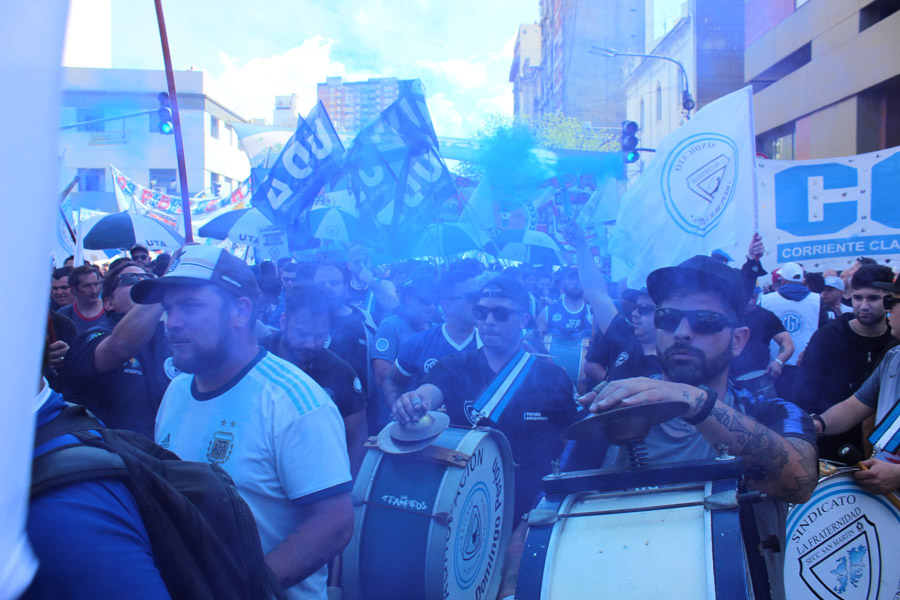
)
(141, 257)
(502, 386)
(699, 304)
(878, 396)
(270, 426)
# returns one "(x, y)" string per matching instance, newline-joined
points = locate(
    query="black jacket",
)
(835, 364)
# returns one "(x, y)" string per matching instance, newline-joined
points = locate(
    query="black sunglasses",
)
(701, 321)
(501, 313)
(127, 279)
(889, 302)
(645, 309)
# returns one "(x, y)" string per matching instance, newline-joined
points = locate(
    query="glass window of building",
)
(92, 180)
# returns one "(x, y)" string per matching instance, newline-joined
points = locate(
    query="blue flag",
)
(309, 159)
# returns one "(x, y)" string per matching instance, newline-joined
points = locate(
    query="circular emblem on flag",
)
(428, 364)
(357, 385)
(382, 344)
(698, 181)
(170, 369)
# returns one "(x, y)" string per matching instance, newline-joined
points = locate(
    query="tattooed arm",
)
(784, 467)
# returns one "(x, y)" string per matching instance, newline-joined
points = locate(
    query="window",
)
(92, 180)
(215, 186)
(90, 114)
(213, 127)
(778, 143)
(659, 102)
(164, 180)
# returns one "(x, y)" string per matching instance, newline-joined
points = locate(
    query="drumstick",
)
(854, 457)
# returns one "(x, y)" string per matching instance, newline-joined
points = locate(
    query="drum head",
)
(842, 543)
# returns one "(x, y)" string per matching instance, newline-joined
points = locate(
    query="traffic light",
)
(630, 141)
(165, 114)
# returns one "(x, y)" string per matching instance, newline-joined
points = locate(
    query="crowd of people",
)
(280, 372)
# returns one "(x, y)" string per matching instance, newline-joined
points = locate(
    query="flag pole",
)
(176, 121)
(62, 198)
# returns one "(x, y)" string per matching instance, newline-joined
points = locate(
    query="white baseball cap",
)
(791, 272)
(835, 282)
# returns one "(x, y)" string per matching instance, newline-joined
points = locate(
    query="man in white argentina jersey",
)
(271, 427)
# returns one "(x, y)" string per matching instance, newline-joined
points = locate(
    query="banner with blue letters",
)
(307, 162)
(826, 213)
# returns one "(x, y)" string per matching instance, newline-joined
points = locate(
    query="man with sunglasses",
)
(699, 304)
(879, 396)
(459, 291)
(121, 372)
(502, 386)
(842, 355)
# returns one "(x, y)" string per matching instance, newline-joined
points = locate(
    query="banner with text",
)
(826, 213)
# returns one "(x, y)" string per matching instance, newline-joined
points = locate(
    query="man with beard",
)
(121, 373)
(351, 333)
(372, 294)
(304, 330)
(87, 310)
(570, 315)
(842, 355)
(502, 386)
(699, 304)
(268, 424)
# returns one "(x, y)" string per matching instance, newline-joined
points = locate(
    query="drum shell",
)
(414, 517)
(570, 354)
(842, 543)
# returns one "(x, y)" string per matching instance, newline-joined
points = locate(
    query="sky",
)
(256, 50)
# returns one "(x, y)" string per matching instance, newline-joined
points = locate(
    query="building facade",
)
(707, 38)
(825, 76)
(134, 145)
(574, 80)
(354, 104)
(525, 72)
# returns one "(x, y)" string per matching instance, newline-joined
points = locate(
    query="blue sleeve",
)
(387, 342)
(783, 417)
(91, 543)
(409, 351)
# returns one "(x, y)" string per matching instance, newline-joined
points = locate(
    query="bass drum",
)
(842, 544)
(432, 524)
(672, 542)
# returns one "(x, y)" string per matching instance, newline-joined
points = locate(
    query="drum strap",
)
(495, 398)
(887, 434)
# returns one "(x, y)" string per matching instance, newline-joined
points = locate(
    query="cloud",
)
(459, 72)
(447, 119)
(250, 86)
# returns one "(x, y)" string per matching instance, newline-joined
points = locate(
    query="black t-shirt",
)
(542, 407)
(764, 325)
(350, 340)
(81, 323)
(127, 397)
(621, 353)
(333, 373)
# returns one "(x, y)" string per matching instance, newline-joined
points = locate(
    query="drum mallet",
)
(853, 457)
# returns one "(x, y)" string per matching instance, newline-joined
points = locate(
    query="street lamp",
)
(687, 102)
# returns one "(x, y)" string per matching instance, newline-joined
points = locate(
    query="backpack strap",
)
(71, 464)
(74, 417)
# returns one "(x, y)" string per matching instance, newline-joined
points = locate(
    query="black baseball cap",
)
(891, 287)
(699, 273)
(201, 264)
(506, 287)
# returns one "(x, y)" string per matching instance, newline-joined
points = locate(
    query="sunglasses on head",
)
(127, 279)
(501, 313)
(645, 309)
(889, 302)
(701, 321)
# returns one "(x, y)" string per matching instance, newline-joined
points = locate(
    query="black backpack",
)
(204, 537)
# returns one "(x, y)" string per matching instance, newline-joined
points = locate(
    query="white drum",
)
(672, 542)
(843, 544)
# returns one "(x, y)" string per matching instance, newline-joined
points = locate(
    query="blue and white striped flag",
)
(697, 194)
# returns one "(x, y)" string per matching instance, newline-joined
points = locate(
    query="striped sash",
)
(887, 434)
(496, 397)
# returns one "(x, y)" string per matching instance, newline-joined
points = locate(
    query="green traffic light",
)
(165, 127)
(631, 157)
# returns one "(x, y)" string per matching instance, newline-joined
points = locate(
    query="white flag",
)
(698, 193)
